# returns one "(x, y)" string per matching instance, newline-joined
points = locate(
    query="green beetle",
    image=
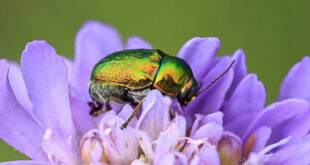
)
(126, 77)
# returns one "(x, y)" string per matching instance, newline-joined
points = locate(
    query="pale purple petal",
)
(60, 150)
(198, 53)
(212, 131)
(163, 147)
(17, 127)
(98, 163)
(138, 162)
(262, 135)
(145, 144)
(169, 140)
(25, 162)
(135, 42)
(248, 98)
(96, 155)
(240, 70)
(212, 99)
(296, 83)
(45, 75)
(297, 153)
(120, 145)
(209, 155)
(82, 120)
(176, 131)
(173, 158)
(93, 42)
(155, 114)
(18, 86)
(201, 120)
(125, 113)
(278, 116)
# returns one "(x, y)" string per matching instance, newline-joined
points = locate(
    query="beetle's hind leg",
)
(133, 114)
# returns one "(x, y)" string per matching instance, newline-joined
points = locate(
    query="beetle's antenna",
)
(217, 78)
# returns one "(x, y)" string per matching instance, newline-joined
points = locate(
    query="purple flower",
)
(44, 112)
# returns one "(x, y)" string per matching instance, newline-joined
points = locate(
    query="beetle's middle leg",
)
(133, 114)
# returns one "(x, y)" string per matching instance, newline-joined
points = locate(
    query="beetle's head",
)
(188, 92)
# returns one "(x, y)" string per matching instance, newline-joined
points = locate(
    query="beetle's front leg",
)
(96, 109)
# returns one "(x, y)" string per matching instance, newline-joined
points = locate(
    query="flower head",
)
(44, 112)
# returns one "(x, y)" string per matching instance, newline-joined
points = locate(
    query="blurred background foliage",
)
(274, 34)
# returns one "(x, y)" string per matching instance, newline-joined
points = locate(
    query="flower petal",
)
(155, 114)
(296, 83)
(297, 127)
(240, 70)
(209, 155)
(17, 127)
(248, 98)
(145, 144)
(296, 153)
(80, 115)
(135, 42)
(171, 139)
(262, 135)
(198, 53)
(241, 121)
(60, 150)
(201, 120)
(120, 145)
(278, 117)
(163, 147)
(18, 86)
(93, 42)
(125, 113)
(45, 75)
(138, 162)
(212, 131)
(173, 158)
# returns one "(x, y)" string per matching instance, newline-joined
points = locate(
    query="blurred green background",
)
(274, 34)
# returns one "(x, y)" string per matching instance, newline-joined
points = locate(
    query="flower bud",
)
(229, 149)
(92, 149)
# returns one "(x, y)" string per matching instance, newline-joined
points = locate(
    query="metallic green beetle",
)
(126, 77)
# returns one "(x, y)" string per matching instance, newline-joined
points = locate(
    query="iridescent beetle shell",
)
(126, 76)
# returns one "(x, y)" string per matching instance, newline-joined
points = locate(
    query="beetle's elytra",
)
(126, 77)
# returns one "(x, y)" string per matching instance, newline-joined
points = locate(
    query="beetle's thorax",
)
(172, 75)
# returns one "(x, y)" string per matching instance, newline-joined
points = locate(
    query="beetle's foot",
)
(124, 125)
(172, 114)
(95, 113)
(96, 109)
